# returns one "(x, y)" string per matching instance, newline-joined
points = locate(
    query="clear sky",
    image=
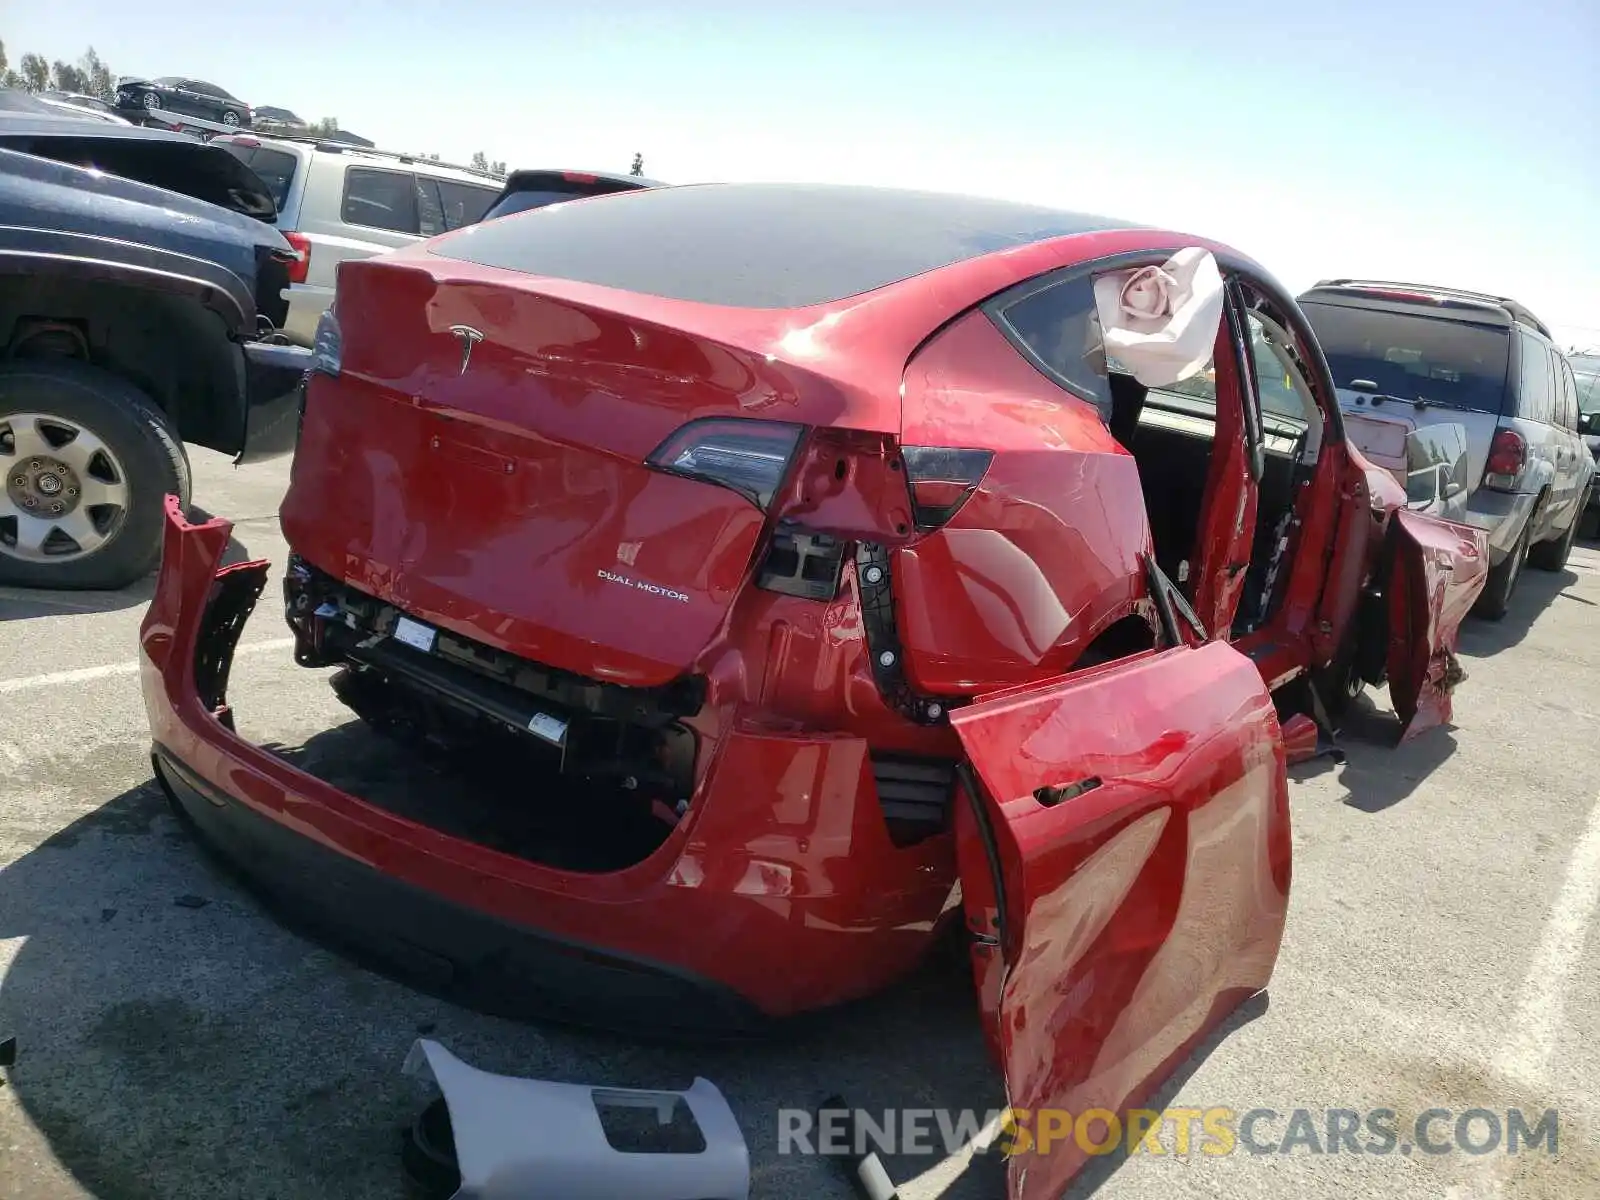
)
(1446, 141)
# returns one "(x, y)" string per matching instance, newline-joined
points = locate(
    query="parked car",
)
(338, 203)
(280, 116)
(184, 96)
(1407, 356)
(90, 106)
(140, 277)
(1586, 371)
(803, 556)
(530, 189)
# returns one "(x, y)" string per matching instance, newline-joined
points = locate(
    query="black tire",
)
(1552, 556)
(151, 101)
(229, 117)
(143, 440)
(1495, 599)
(1340, 684)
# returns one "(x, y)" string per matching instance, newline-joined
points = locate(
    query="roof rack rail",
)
(334, 146)
(1518, 311)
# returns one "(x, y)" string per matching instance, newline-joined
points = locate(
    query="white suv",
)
(338, 201)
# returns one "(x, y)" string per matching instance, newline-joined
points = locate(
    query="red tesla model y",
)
(798, 554)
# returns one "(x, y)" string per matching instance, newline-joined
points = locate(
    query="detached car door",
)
(1437, 569)
(1124, 854)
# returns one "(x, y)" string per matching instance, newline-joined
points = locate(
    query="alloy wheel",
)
(64, 493)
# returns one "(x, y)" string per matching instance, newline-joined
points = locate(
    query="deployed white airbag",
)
(1160, 323)
(529, 1139)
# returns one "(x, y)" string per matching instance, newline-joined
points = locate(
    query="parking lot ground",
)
(175, 1041)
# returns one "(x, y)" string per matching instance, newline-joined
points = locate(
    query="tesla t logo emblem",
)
(470, 337)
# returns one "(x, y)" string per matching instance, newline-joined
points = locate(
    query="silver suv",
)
(338, 201)
(1407, 357)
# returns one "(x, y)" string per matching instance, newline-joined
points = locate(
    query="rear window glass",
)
(275, 167)
(758, 245)
(522, 201)
(1442, 361)
(380, 199)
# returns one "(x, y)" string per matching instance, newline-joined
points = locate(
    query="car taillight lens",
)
(327, 347)
(941, 480)
(1507, 454)
(750, 457)
(301, 267)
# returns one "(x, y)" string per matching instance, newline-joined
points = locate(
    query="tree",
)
(497, 167)
(98, 78)
(35, 72)
(5, 67)
(326, 127)
(65, 77)
(480, 161)
(638, 165)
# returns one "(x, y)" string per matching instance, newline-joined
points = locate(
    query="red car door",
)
(1124, 854)
(1437, 570)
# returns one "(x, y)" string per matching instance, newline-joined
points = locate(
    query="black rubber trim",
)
(1249, 386)
(462, 955)
(233, 599)
(975, 793)
(883, 640)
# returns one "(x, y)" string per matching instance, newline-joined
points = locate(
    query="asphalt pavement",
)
(174, 1041)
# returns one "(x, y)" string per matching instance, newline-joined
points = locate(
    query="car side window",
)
(1058, 327)
(462, 203)
(1567, 389)
(430, 212)
(380, 199)
(1284, 392)
(1588, 384)
(1535, 399)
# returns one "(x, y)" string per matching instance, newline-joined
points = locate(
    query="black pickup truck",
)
(141, 286)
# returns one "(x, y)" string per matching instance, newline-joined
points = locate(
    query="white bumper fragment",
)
(530, 1139)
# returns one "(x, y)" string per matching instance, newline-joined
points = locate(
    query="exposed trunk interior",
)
(552, 768)
(498, 789)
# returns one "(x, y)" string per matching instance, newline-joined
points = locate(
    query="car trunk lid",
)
(561, 481)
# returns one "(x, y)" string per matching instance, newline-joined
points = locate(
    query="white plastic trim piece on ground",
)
(1160, 323)
(530, 1139)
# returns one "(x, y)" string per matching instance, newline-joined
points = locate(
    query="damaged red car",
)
(830, 562)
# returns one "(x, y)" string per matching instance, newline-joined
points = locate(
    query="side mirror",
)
(1589, 422)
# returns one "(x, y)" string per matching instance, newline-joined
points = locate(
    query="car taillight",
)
(327, 347)
(301, 267)
(941, 480)
(1507, 454)
(747, 456)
